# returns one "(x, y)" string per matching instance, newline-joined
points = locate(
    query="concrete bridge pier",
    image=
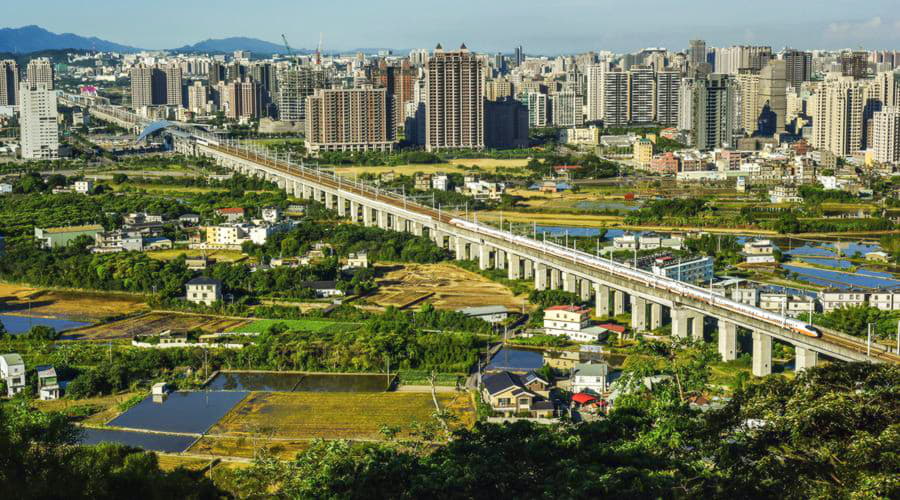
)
(329, 200)
(554, 279)
(727, 340)
(697, 326)
(484, 258)
(585, 290)
(638, 314)
(680, 322)
(762, 354)
(459, 248)
(354, 211)
(341, 207)
(368, 216)
(618, 302)
(656, 315)
(602, 300)
(528, 269)
(514, 269)
(569, 282)
(540, 277)
(499, 259)
(804, 358)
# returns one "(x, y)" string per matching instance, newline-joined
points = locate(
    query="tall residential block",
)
(148, 86)
(9, 83)
(697, 52)
(295, 84)
(172, 74)
(615, 98)
(713, 112)
(348, 120)
(399, 80)
(565, 109)
(40, 135)
(854, 64)
(641, 88)
(198, 97)
(454, 104)
(668, 84)
(887, 135)
(595, 91)
(837, 113)
(537, 109)
(798, 67)
(40, 72)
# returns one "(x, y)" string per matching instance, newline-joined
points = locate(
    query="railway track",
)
(878, 351)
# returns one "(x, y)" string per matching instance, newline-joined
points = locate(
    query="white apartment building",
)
(759, 252)
(573, 322)
(12, 371)
(537, 109)
(835, 299)
(691, 270)
(40, 135)
(886, 140)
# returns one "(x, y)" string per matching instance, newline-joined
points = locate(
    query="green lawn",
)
(311, 325)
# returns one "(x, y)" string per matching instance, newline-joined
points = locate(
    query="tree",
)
(42, 332)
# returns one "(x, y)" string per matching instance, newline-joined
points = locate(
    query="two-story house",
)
(48, 384)
(515, 395)
(203, 290)
(12, 371)
(590, 377)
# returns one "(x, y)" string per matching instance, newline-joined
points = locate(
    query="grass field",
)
(446, 286)
(310, 325)
(329, 415)
(75, 305)
(172, 462)
(157, 322)
(218, 255)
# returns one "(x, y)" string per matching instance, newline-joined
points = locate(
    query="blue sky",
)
(548, 27)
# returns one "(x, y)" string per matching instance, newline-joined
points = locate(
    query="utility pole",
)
(869, 342)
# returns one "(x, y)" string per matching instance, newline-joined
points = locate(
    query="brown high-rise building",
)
(454, 104)
(148, 86)
(174, 91)
(9, 83)
(348, 120)
(855, 64)
(798, 67)
(399, 82)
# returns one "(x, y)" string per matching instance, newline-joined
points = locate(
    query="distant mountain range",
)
(34, 39)
(29, 39)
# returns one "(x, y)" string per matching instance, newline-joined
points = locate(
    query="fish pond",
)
(188, 412)
(21, 324)
(165, 443)
(517, 360)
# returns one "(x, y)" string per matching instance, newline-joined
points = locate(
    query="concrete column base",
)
(602, 300)
(529, 269)
(618, 302)
(638, 314)
(656, 315)
(804, 358)
(680, 322)
(727, 340)
(514, 267)
(762, 354)
(540, 277)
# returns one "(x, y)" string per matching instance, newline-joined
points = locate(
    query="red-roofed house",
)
(231, 214)
(613, 327)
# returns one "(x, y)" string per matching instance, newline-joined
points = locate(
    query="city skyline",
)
(581, 25)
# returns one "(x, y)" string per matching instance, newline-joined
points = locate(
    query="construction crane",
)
(287, 46)
(319, 50)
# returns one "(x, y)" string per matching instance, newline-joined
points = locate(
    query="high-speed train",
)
(647, 279)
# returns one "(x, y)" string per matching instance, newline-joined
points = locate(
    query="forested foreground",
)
(833, 432)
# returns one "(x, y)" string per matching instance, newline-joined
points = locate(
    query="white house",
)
(271, 214)
(5, 188)
(12, 371)
(48, 384)
(590, 377)
(440, 182)
(83, 187)
(357, 261)
(204, 290)
(573, 322)
(759, 252)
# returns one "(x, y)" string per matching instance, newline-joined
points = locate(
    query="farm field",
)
(172, 462)
(312, 325)
(74, 305)
(246, 447)
(444, 285)
(156, 322)
(108, 406)
(328, 415)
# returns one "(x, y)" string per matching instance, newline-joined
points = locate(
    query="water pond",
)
(838, 279)
(21, 324)
(190, 412)
(298, 382)
(165, 443)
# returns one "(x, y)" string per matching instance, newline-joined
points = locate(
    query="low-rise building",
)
(759, 252)
(203, 290)
(189, 220)
(885, 300)
(323, 289)
(83, 187)
(573, 322)
(482, 190)
(491, 314)
(359, 260)
(422, 182)
(48, 384)
(12, 371)
(514, 395)
(835, 299)
(118, 241)
(56, 237)
(271, 214)
(440, 182)
(878, 256)
(642, 152)
(591, 377)
(785, 194)
(689, 270)
(231, 214)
